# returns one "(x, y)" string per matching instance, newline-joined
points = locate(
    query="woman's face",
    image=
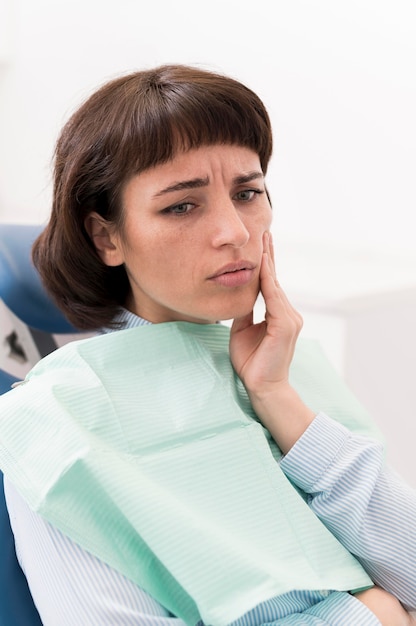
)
(192, 238)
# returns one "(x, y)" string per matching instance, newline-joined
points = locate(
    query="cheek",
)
(142, 245)
(263, 220)
(164, 258)
(268, 216)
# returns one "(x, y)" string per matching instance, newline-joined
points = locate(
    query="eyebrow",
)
(195, 183)
(247, 178)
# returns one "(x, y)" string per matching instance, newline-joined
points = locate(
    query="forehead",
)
(206, 164)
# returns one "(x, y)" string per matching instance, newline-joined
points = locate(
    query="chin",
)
(235, 310)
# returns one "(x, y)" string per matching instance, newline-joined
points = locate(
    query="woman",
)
(172, 471)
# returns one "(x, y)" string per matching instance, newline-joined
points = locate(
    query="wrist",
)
(283, 413)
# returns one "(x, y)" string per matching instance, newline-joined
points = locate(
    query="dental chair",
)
(29, 327)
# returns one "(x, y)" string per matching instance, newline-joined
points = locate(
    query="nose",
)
(229, 228)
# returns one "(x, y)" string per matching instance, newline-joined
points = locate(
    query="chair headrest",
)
(20, 286)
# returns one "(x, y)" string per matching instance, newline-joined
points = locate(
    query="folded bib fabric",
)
(142, 446)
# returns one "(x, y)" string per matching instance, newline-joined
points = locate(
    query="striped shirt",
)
(366, 506)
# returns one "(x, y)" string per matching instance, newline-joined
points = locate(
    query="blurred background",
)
(339, 81)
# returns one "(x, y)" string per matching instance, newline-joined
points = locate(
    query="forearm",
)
(367, 508)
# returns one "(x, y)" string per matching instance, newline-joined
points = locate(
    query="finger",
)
(269, 250)
(269, 284)
(275, 299)
(272, 269)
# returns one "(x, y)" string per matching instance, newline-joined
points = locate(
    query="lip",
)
(234, 274)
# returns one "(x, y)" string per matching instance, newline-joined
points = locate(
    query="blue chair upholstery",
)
(20, 286)
(22, 292)
(16, 604)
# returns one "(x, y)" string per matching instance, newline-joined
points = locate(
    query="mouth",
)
(234, 274)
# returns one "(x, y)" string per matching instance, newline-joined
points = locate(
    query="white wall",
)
(338, 77)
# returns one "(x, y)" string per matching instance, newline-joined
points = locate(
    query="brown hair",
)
(131, 124)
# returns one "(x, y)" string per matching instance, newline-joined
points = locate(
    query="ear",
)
(105, 239)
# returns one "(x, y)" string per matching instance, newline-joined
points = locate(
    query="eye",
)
(246, 195)
(179, 209)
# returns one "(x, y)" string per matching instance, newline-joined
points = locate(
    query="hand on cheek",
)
(261, 355)
(262, 352)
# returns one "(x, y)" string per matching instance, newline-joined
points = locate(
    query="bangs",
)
(180, 122)
(179, 110)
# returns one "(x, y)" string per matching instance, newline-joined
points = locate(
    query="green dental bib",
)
(142, 446)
